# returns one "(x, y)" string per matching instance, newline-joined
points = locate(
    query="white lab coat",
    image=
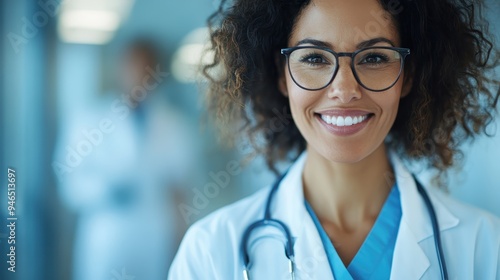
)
(211, 247)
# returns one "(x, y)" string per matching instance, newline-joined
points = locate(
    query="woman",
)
(369, 84)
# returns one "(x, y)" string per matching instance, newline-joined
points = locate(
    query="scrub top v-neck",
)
(374, 258)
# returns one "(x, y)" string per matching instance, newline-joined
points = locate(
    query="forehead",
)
(344, 23)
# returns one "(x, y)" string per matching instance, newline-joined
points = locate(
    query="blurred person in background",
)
(122, 167)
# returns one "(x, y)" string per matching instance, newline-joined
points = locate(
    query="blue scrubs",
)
(374, 258)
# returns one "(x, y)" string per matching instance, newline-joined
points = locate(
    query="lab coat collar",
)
(414, 210)
(311, 259)
(289, 201)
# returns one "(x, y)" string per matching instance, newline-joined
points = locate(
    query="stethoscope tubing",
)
(435, 229)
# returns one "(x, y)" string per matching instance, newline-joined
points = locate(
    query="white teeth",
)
(343, 121)
(340, 121)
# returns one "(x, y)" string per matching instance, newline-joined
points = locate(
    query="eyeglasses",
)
(375, 68)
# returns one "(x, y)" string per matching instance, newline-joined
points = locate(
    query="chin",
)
(341, 155)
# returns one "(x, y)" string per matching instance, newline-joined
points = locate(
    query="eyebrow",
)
(361, 45)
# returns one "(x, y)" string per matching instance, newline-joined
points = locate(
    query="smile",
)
(343, 120)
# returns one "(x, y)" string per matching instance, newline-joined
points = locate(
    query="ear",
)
(282, 85)
(407, 83)
(280, 66)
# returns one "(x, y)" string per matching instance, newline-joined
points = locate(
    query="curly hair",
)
(453, 97)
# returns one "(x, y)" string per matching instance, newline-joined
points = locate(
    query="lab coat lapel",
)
(312, 262)
(410, 261)
(310, 258)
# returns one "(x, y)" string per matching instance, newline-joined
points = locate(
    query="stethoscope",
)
(269, 221)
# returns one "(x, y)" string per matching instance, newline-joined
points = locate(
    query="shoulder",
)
(474, 243)
(216, 238)
(466, 217)
(469, 216)
(236, 215)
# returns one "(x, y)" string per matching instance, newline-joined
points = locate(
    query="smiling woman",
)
(368, 83)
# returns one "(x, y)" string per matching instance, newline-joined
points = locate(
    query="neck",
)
(347, 194)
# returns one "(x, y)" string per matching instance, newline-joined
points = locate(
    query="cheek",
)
(389, 104)
(300, 98)
(302, 103)
(391, 110)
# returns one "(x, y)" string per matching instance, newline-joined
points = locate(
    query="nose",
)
(344, 86)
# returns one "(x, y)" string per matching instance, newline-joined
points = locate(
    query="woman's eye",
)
(314, 59)
(374, 59)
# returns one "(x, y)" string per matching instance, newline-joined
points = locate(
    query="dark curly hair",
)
(452, 99)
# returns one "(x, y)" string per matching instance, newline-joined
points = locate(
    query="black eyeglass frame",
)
(404, 52)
